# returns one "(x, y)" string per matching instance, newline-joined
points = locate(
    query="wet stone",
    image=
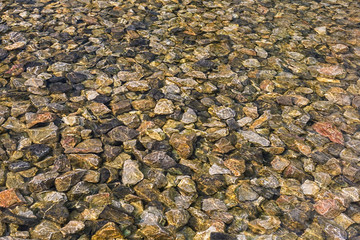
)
(159, 159)
(122, 134)
(43, 181)
(10, 198)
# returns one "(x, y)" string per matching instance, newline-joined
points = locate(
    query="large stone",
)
(159, 159)
(108, 232)
(164, 107)
(46, 230)
(87, 161)
(122, 134)
(43, 181)
(10, 198)
(43, 134)
(255, 138)
(183, 143)
(131, 173)
(68, 179)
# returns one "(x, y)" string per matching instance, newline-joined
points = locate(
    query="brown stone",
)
(329, 208)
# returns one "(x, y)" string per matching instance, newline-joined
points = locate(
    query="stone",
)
(189, 116)
(121, 106)
(131, 173)
(331, 71)
(55, 212)
(251, 63)
(68, 179)
(93, 145)
(183, 143)
(122, 134)
(38, 152)
(43, 181)
(159, 159)
(43, 134)
(11, 198)
(236, 166)
(213, 204)
(310, 188)
(254, 138)
(164, 107)
(177, 217)
(76, 77)
(46, 230)
(245, 193)
(72, 227)
(328, 130)
(329, 208)
(265, 225)
(107, 232)
(39, 118)
(138, 86)
(87, 161)
(116, 215)
(224, 112)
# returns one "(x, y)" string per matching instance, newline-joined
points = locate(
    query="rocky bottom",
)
(179, 119)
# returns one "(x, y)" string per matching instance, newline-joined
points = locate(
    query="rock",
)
(87, 146)
(55, 212)
(38, 152)
(39, 118)
(3, 54)
(43, 181)
(310, 188)
(72, 227)
(76, 77)
(43, 134)
(120, 107)
(251, 63)
(177, 217)
(254, 138)
(108, 231)
(189, 116)
(224, 112)
(87, 161)
(159, 159)
(10, 198)
(131, 174)
(187, 185)
(329, 208)
(213, 204)
(19, 166)
(164, 107)
(46, 230)
(328, 130)
(68, 179)
(138, 86)
(122, 134)
(265, 225)
(116, 215)
(183, 143)
(245, 193)
(332, 71)
(236, 166)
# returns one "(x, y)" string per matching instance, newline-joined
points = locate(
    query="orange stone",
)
(328, 130)
(10, 198)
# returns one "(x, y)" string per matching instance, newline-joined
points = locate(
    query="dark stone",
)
(76, 77)
(3, 54)
(102, 99)
(204, 65)
(56, 79)
(221, 236)
(232, 124)
(116, 215)
(139, 42)
(356, 102)
(43, 181)
(55, 212)
(285, 100)
(122, 134)
(120, 107)
(62, 164)
(120, 191)
(71, 57)
(19, 166)
(6, 216)
(106, 127)
(210, 185)
(320, 157)
(59, 87)
(110, 152)
(104, 175)
(38, 151)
